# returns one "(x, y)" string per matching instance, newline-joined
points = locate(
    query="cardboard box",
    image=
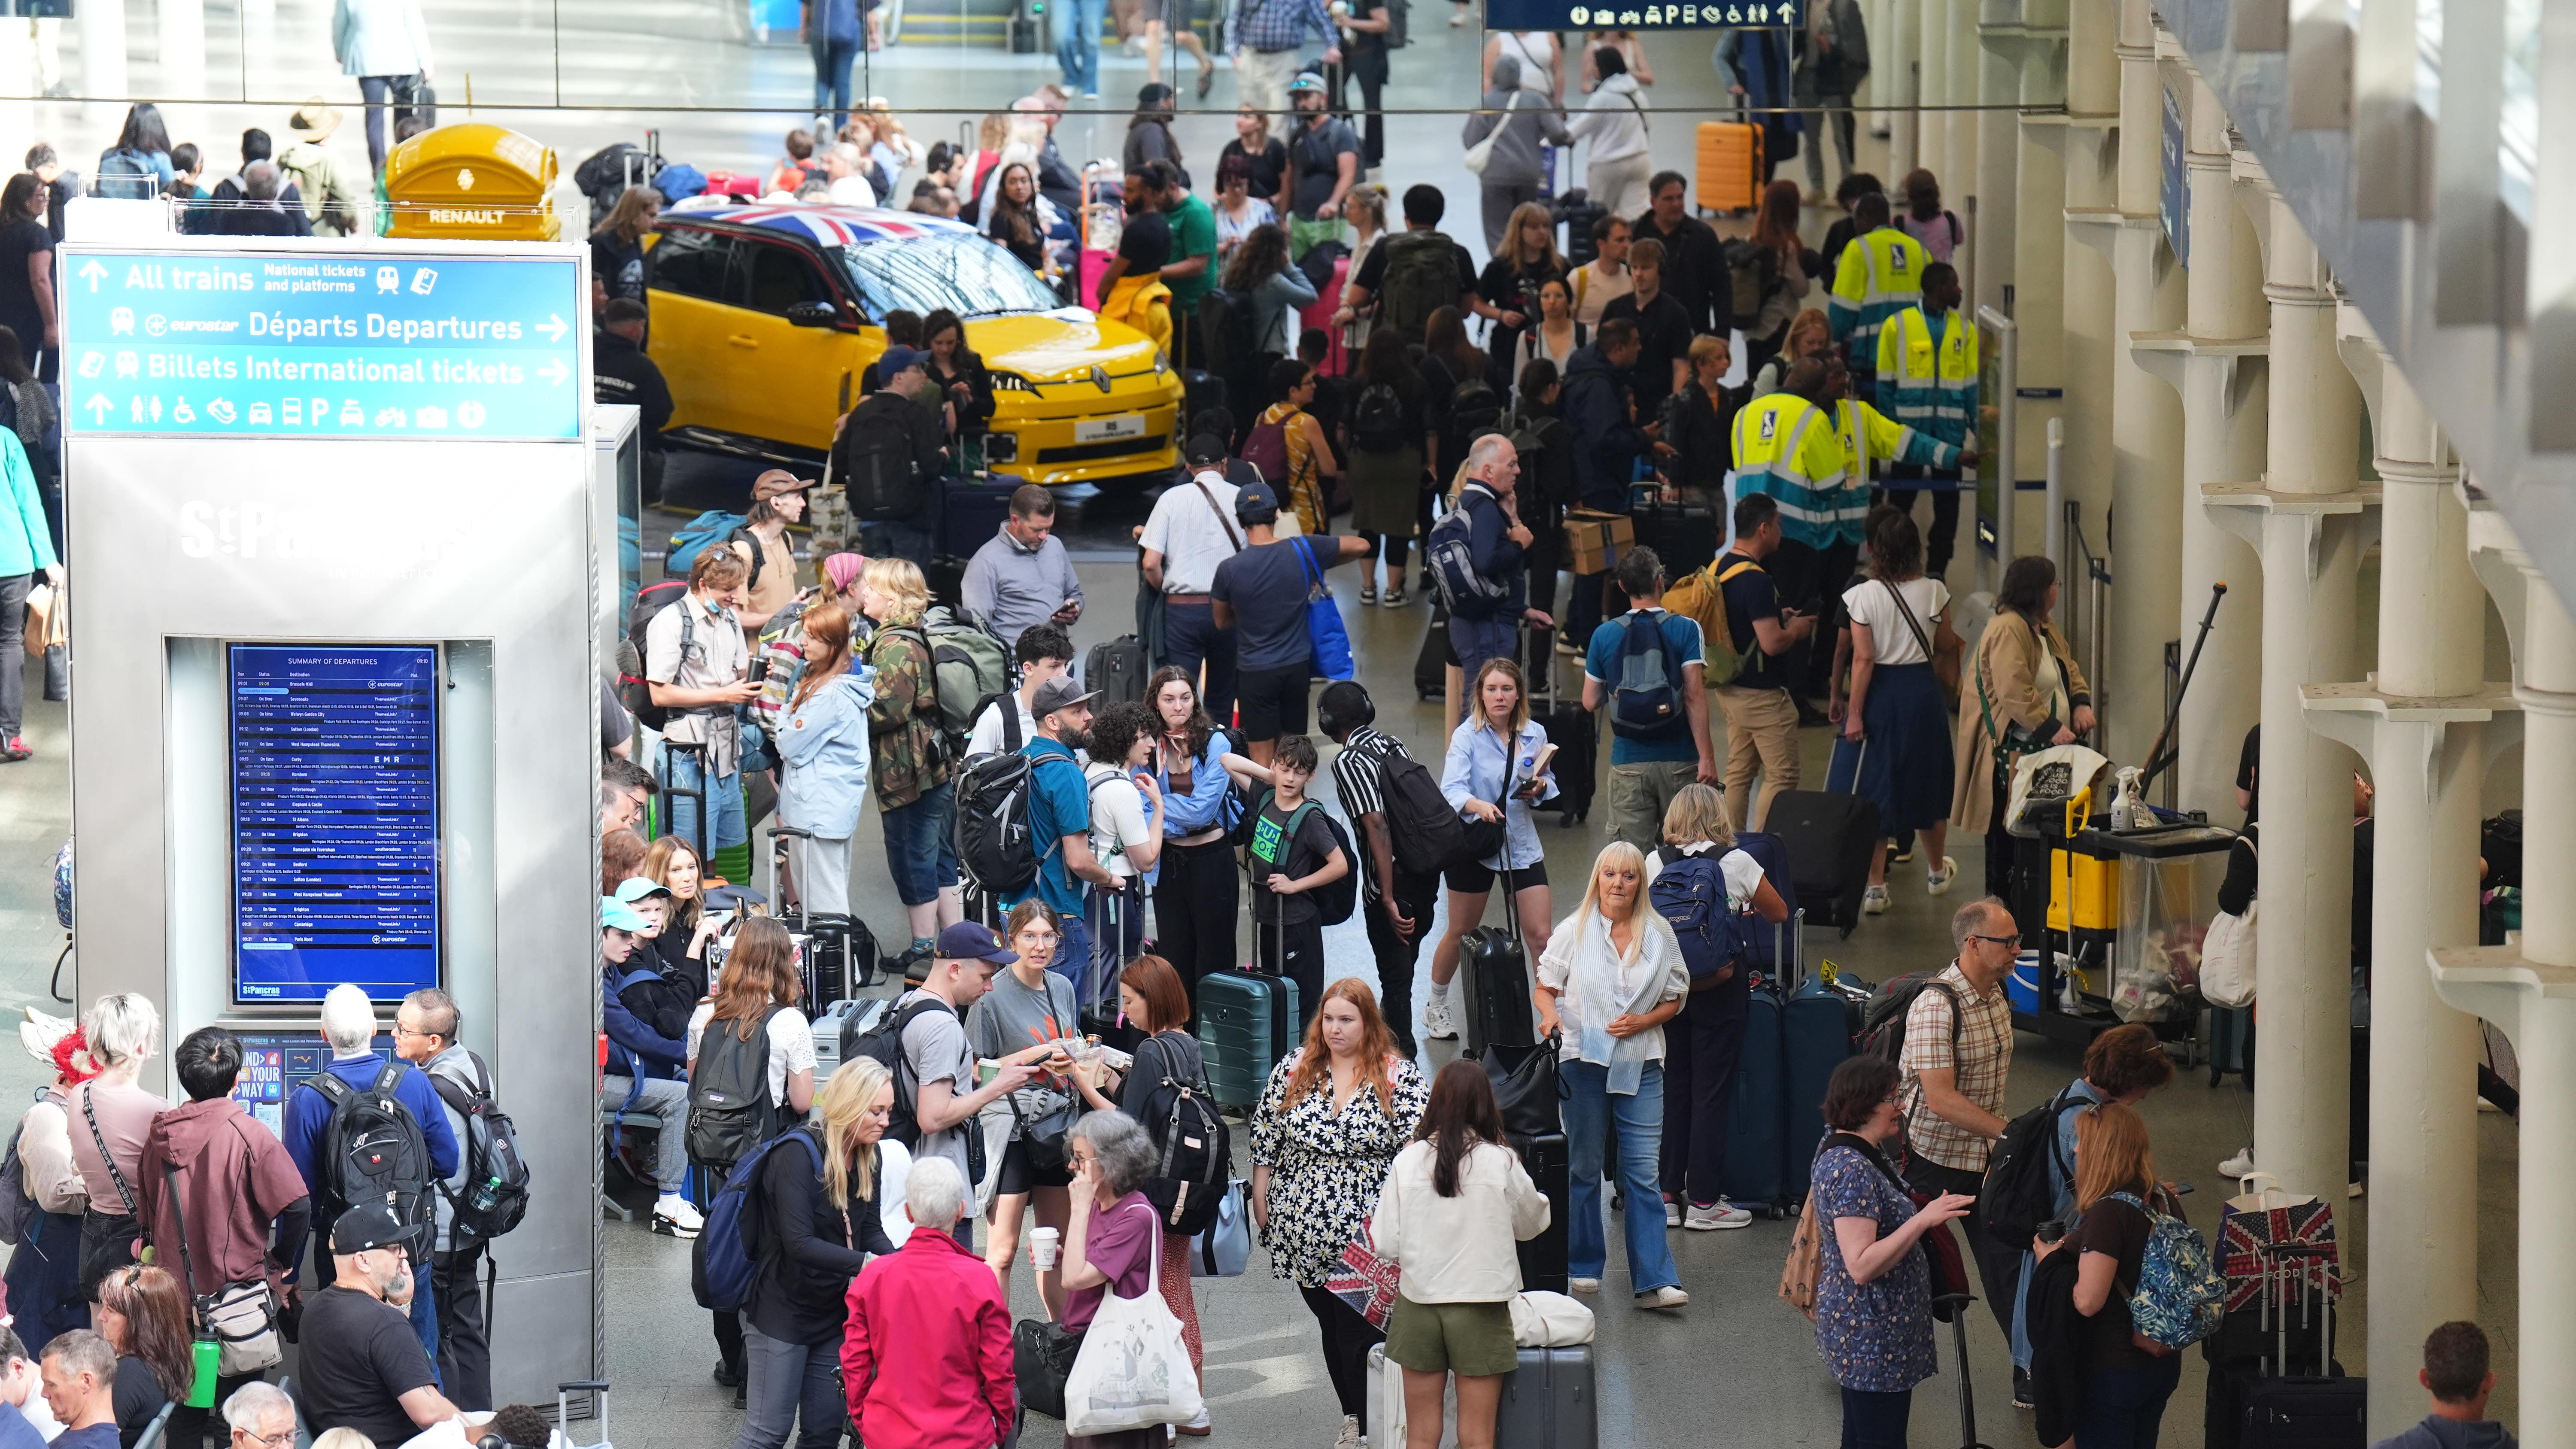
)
(1594, 540)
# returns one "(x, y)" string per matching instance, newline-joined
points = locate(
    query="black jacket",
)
(809, 1249)
(1606, 439)
(975, 408)
(1695, 272)
(1698, 432)
(621, 373)
(2057, 1337)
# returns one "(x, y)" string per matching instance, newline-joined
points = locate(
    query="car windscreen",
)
(960, 272)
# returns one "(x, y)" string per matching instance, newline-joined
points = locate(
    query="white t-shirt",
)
(986, 737)
(1191, 536)
(791, 1045)
(1117, 818)
(1741, 872)
(894, 1164)
(1891, 639)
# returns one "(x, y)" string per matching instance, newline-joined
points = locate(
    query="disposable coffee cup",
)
(1042, 1247)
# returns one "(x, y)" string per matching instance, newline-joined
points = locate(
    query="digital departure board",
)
(335, 820)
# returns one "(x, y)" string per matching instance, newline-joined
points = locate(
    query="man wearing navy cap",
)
(363, 1369)
(937, 1057)
(894, 436)
(1260, 593)
(648, 1063)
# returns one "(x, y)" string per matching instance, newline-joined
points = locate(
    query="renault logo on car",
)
(1100, 377)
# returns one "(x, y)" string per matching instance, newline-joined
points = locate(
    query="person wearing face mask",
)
(363, 1367)
(698, 663)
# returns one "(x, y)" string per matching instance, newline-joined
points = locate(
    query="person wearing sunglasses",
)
(1957, 1054)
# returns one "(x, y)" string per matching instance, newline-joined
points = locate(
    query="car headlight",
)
(1011, 382)
(1002, 447)
(1162, 362)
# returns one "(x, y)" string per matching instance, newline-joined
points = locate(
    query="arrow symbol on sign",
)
(555, 372)
(99, 407)
(553, 327)
(91, 272)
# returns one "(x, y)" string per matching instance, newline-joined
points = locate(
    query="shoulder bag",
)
(1132, 1370)
(240, 1318)
(1944, 662)
(107, 1238)
(1326, 636)
(1481, 155)
(2011, 741)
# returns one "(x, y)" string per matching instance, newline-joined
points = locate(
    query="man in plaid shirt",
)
(1957, 1054)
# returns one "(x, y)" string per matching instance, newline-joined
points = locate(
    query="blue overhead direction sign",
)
(1567, 15)
(307, 343)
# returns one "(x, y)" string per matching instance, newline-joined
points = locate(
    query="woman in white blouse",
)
(1455, 1203)
(1900, 622)
(1611, 976)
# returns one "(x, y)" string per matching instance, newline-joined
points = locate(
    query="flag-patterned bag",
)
(2255, 1222)
(1364, 1280)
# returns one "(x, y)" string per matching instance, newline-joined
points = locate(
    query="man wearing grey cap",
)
(1261, 594)
(1190, 532)
(1060, 820)
(889, 455)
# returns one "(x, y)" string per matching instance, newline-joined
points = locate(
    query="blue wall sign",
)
(1569, 15)
(306, 343)
(2173, 194)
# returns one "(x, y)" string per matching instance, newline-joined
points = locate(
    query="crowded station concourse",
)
(1748, 549)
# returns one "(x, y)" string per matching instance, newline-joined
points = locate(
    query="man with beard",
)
(363, 1367)
(1324, 164)
(1060, 814)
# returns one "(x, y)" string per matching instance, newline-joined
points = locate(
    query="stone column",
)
(102, 54)
(1957, 164)
(1932, 134)
(2039, 249)
(2092, 202)
(1901, 69)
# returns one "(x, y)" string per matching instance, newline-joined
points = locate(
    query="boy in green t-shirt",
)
(1293, 852)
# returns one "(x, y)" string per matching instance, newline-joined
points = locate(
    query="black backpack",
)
(1335, 901)
(495, 1195)
(884, 1041)
(372, 1151)
(1193, 1152)
(2017, 1196)
(1474, 409)
(1225, 320)
(633, 690)
(1882, 1027)
(1377, 420)
(730, 1113)
(873, 460)
(1421, 824)
(1755, 273)
(997, 843)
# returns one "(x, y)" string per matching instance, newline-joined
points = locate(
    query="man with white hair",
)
(358, 1079)
(80, 1387)
(261, 1416)
(30, 1421)
(846, 167)
(927, 1355)
(1486, 543)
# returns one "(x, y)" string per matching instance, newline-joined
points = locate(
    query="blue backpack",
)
(126, 175)
(727, 1255)
(2179, 1290)
(712, 526)
(1646, 704)
(1690, 894)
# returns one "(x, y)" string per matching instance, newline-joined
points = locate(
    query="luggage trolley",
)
(2127, 912)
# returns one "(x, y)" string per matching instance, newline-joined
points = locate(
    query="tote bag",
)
(1133, 1371)
(1325, 635)
(1224, 1247)
(2260, 1226)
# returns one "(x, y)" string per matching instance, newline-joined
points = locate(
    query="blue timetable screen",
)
(335, 820)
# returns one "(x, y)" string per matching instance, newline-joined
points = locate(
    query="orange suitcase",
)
(1730, 166)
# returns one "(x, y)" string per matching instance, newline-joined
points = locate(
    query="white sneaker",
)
(1349, 1438)
(1672, 1213)
(1873, 901)
(2241, 1165)
(1938, 882)
(1437, 1021)
(1584, 1285)
(677, 1217)
(2352, 1189)
(1714, 1216)
(1664, 1297)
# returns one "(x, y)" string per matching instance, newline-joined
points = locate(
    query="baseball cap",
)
(1306, 80)
(972, 941)
(371, 1225)
(1255, 503)
(636, 887)
(1058, 693)
(777, 481)
(616, 915)
(896, 359)
(1207, 448)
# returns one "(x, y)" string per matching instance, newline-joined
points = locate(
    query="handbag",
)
(2271, 1224)
(2011, 740)
(40, 618)
(1806, 1259)
(2227, 952)
(240, 1317)
(58, 648)
(1481, 155)
(1541, 1319)
(1224, 1247)
(1326, 636)
(1484, 837)
(1042, 1355)
(1525, 1086)
(107, 1238)
(1133, 1369)
(413, 95)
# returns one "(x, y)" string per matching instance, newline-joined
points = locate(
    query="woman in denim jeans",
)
(913, 796)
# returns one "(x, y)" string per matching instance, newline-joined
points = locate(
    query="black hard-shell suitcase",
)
(945, 576)
(1550, 1402)
(1431, 664)
(1496, 969)
(2293, 1395)
(1550, 1164)
(1203, 390)
(1829, 839)
(971, 513)
(1570, 727)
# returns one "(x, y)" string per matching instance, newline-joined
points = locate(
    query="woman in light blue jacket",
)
(823, 741)
(381, 42)
(1493, 772)
(26, 548)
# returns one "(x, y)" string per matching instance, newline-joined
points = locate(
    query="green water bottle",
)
(201, 1394)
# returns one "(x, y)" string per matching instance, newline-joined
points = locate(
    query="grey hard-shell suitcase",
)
(1550, 1401)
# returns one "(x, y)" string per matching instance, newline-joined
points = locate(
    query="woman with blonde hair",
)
(914, 802)
(823, 745)
(1610, 978)
(1492, 774)
(110, 1117)
(617, 248)
(1365, 210)
(2127, 1376)
(1331, 1120)
(1809, 334)
(822, 1195)
(1707, 1039)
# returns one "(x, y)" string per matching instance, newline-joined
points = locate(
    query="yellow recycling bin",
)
(472, 180)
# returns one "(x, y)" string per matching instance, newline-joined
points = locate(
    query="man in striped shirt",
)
(1398, 918)
(1957, 1054)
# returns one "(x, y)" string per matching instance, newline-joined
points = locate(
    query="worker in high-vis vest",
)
(1927, 380)
(1786, 447)
(1878, 275)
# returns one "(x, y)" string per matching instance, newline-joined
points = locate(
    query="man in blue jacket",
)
(647, 1071)
(1607, 442)
(1482, 628)
(349, 1025)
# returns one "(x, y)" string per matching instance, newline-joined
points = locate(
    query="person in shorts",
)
(1261, 594)
(1292, 853)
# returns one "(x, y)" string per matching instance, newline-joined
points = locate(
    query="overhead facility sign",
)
(1583, 15)
(310, 343)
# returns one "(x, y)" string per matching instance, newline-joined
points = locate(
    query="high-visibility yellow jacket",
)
(1927, 372)
(1877, 276)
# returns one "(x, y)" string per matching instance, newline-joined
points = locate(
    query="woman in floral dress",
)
(1873, 1289)
(1329, 1125)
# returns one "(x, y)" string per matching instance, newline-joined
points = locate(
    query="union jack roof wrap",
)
(842, 225)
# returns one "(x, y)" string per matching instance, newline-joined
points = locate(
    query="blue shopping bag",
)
(1325, 635)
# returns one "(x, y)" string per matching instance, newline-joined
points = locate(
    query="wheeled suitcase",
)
(1247, 1024)
(1550, 1163)
(1431, 664)
(1100, 1014)
(1202, 391)
(2283, 1407)
(1494, 967)
(1550, 1402)
(1816, 1031)
(970, 513)
(1768, 955)
(1570, 727)
(1830, 838)
(1755, 1173)
(1730, 167)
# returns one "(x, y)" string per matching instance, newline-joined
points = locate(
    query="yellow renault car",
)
(765, 318)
